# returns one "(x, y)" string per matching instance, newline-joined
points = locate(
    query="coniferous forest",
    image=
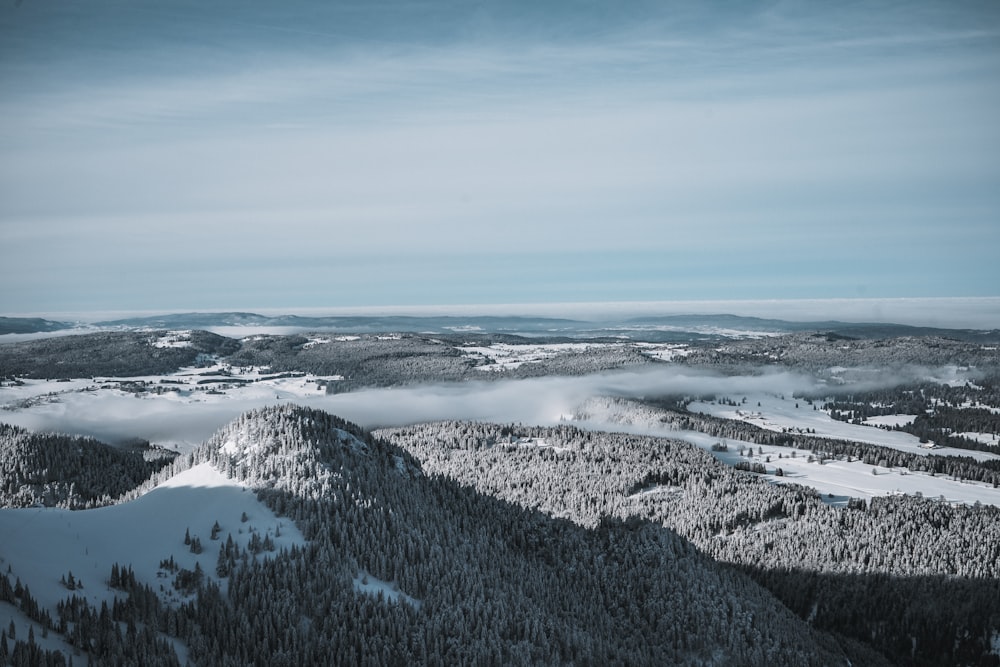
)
(473, 543)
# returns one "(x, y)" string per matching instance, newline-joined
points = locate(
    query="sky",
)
(182, 155)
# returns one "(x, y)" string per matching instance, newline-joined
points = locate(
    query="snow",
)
(843, 480)
(777, 413)
(41, 545)
(890, 420)
(173, 339)
(540, 443)
(664, 351)
(22, 624)
(505, 356)
(186, 413)
(369, 585)
(985, 438)
(659, 489)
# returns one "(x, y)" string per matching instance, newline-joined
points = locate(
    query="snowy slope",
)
(778, 413)
(42, 545)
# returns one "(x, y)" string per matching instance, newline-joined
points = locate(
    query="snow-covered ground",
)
(539, 443)
(43, 545)
(985, 438)
(664, 351)
(10, 614)
(836, 480)
(173, 339)
(779, 413)
(370, 585)
(890, 420)
(840, 480)
(504, 356)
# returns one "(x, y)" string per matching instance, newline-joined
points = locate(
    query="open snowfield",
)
(890, 420)
(43, 545)
(664, 351)
(840, 480)
(503, 356)
(781, 413)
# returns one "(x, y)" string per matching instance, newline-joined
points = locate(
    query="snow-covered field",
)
(837, 480)
(780, 413)
(985, 438)
(45, 545)
(664, 351)
(840, 480)
(503, 356)
(890, 420)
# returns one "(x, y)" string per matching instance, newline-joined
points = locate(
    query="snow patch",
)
(506, 356)
(664, 351)
(173, 339)
(890, 420)
(777, 413)
(658, 490)
(369, 585)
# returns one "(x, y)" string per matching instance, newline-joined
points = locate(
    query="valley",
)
(775, 464)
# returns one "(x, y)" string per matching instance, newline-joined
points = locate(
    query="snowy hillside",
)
(46, 547)
(416, 570)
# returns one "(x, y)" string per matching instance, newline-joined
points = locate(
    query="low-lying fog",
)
(116, 417)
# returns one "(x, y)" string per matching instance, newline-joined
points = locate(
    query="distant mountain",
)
(666, 328)
(23, 325)
(736, 326)
(353, 324)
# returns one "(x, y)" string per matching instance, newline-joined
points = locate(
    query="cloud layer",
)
(542, 401)
(355, 154)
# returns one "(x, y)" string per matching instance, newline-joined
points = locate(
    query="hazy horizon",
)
(942, 312)
(186, 155)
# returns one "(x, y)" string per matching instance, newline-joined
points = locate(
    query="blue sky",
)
(189, 155)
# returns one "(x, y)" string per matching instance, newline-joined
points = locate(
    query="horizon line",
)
(972, 312)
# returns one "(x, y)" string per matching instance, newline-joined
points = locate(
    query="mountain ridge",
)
(495, 583)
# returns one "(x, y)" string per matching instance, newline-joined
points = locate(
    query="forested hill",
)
(70, 471)
(916, 578)
(494, 583)
(110, 353)
(402, 567)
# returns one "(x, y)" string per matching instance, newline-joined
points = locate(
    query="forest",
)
(497, 582)
(461, 542)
